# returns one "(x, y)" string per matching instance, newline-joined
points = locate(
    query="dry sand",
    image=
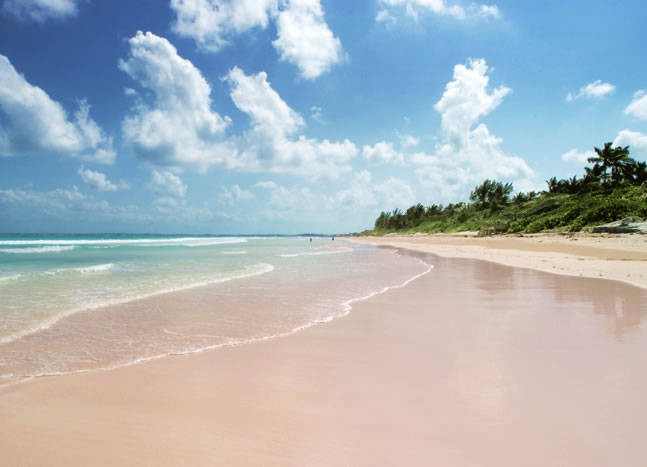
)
(614, 257)
(473, 364)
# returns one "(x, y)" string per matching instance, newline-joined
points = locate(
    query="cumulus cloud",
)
(273, 142)
(638, 105)
(99, 181)
(594, 90)
(574, 155)
(636, 141)
(167, 184)
(304, 38)
(41, 10)
(382, 153)
(469, 153)
(466, 99)
(213, 23)
(390, 9)
(178, 128)
(37, 123)
(254, 95)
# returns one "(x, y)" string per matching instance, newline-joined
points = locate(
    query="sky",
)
(293, 116)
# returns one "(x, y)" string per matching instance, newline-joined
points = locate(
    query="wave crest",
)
(38, 249)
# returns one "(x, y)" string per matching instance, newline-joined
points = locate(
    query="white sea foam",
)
(247, 272)
(81, 269)
(95, 268)
(216, 241)
(13, 277)
(186, 241)
(235, 252)
(316, 253)
(37, 249)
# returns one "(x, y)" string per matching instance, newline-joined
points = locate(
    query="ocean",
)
(91, 302)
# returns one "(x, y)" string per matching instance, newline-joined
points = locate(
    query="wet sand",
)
(607, 256)
(474, 363)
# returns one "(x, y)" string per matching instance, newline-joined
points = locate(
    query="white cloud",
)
(594, 90)
(41, 10)
(99, 181)
(64, 207)
(638, 105)
(167, 183)
(213, 23)
(179, 129)
(354, 206)
(382, 153)
(489, 11)
(36, 123)
(364, 193)
(234, 194)
(272, 142)
(266, 185)
(574, 155)
(636, 141)
(389, 10)
(469, 153)
(51, 202)
(408, 141)
(466, 99)
(316, 114)
(254, 95)
(304, 38)
(383, 16)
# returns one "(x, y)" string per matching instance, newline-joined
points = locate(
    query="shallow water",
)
(88, 302)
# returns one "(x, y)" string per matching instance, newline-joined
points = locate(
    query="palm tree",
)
(415, 214)
(553, 185)
(611, 158)
(634, 173)
(640, 173)
(491, 194)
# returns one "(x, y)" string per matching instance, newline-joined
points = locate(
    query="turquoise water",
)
(86, 302)
(44, 279)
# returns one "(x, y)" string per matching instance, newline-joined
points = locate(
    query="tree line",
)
(611, 169)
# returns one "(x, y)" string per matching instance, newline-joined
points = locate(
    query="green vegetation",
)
(612, 188)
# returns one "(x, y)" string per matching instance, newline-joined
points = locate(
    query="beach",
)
(606, 256)
(502, 352)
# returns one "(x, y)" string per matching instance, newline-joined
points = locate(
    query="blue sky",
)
(288, 116)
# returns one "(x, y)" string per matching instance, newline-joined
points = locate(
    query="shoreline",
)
(346, 308)
(620, 258)
(471, 363)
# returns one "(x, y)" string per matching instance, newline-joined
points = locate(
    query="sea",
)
(77, 303)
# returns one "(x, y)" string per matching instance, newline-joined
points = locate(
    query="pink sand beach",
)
(509, 352)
